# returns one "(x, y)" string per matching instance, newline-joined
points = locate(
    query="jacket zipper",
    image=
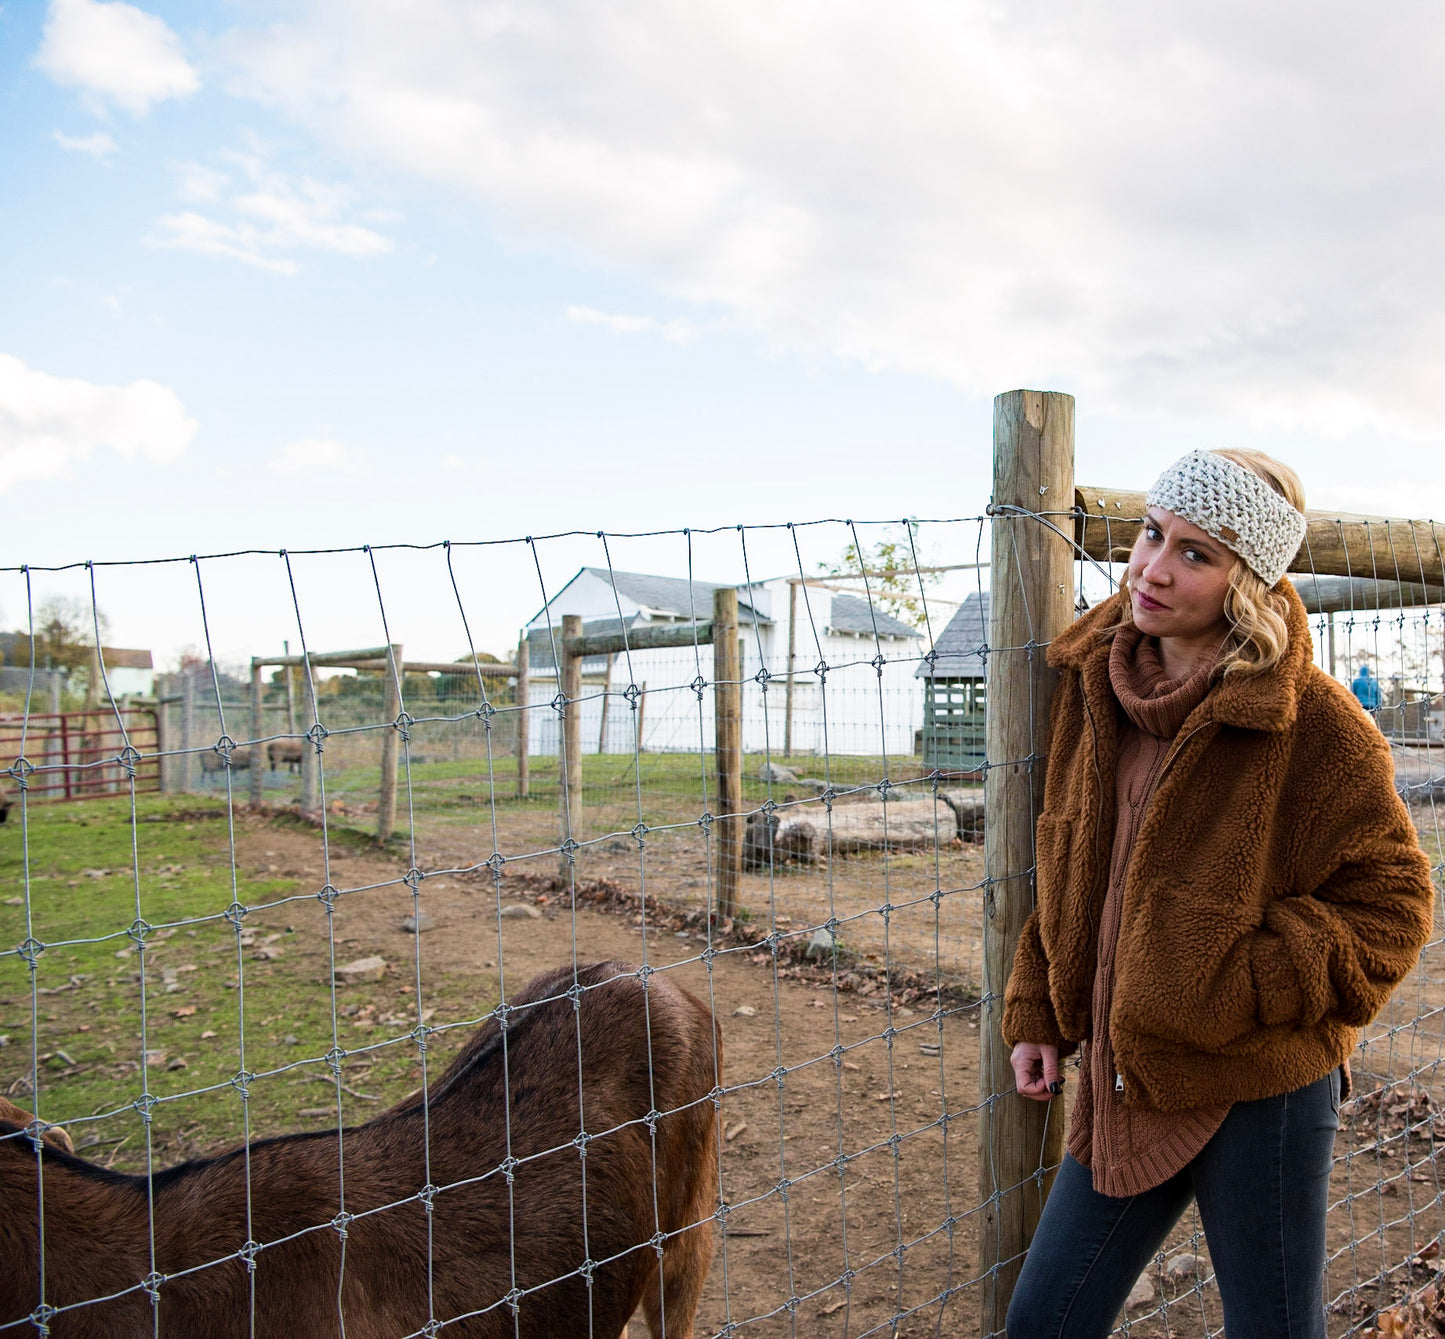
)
(1163, 772)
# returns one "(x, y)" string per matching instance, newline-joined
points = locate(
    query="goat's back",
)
(581, 1131)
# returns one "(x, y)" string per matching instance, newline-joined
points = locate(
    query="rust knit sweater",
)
(1131, 1149)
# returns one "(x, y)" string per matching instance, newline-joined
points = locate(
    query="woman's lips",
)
(1147, 603)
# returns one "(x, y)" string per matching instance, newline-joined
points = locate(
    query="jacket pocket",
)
(1053, 837)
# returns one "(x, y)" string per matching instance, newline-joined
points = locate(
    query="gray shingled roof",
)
(850, 613)
(956, 652)
(670, 594)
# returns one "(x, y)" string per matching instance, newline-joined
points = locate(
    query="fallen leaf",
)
(185, 1011)
(835, 1306)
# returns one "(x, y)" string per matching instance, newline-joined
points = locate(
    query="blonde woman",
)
(1228, 889)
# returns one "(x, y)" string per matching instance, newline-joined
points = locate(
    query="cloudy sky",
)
(323, 274)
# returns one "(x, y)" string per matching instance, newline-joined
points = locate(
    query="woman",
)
(1228, 888)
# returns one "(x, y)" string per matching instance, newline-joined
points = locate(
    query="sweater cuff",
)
(1030, 1020)
(1280, 996)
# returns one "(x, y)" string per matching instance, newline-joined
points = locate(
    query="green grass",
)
(84, 1018)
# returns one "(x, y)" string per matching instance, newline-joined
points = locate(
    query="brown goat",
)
(494, 1225)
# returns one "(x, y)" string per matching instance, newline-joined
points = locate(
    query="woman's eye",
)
(1196, 555)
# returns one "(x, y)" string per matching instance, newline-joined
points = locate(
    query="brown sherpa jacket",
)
(1276, 892)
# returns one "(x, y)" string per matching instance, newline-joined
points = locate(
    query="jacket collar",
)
(1268, 702)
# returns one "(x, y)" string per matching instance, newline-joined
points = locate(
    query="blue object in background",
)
(1366, 689)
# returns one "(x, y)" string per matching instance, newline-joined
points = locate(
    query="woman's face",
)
(1178, 578)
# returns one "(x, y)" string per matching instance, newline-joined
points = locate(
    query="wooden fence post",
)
(728, 716)
(310, 759)
(390, 747)
(188, 728)
(165, 769)
(524, 717)
(606, 697)
(792, 664)
(1031, 602)
(569, 738)
(258, 728)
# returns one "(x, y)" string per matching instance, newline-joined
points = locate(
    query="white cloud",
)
(115, 53)
(49, 424)
(679, 332)
(308, 454)
(99, 145)
(270, 216)
(1221, 207)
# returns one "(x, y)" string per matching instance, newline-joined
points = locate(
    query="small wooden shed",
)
(954, 702)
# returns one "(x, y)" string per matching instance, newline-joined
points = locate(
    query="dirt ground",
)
(808, 1251)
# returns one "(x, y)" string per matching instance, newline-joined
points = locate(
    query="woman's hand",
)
(1036, 1070)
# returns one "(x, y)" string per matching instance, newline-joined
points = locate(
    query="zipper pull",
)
(1118, 1083)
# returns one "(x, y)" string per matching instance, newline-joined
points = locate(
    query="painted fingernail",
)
(1056, 1087)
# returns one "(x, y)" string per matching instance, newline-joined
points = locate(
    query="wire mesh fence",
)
(322, 1094)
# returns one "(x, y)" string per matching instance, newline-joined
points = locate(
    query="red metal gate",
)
(76, 755)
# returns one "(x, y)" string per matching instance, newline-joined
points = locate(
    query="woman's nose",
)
(1156, 571)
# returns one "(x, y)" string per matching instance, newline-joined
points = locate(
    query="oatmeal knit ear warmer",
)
(1236, 506)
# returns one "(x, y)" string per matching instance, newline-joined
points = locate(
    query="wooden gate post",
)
(569, 736)
(310, 759)
(728, 718)
(1030, 603)
(390, 747)
(524, 717)
(792, 665)
(188, 728)
(258, 728)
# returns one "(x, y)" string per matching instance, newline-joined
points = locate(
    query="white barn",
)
(841, 701)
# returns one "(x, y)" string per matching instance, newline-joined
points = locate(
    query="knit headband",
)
(1236, 506)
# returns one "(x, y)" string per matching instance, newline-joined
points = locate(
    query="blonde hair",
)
(1258, 614)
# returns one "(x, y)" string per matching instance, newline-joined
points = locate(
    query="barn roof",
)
(664, 595)
(957, 654)
(851, 613)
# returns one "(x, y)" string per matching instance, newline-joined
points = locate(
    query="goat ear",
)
(55, 1136)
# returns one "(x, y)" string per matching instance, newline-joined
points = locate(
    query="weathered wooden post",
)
(524, 718)
(258, 728)
(390, 746)
(728, 717)
(569, 733)
(792, 664)
(310, 759)
(165, 770)
(290, 691)
(606, 697)
(55, 692)
(1031, 602)
(188, 728)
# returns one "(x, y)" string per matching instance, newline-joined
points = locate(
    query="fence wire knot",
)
(821, 670)
(783, 1186)
(705, 822)
(138, 930)
(559, 704)
(768, 807)
(581, 1141)
(763, 678)
(412, 878)
(241, 1082)
(698, 686)
(779, 1073)
(586, 1269)
(403, 724)
(657, 1241)
(144, 1105)
(236, 913)
(502, 1013)
(129, 758)
(225, 746)
(495, 861)
(248, 1252)
(878, 662)
(40, 1317)
(335, 1056)
(152, 1284)
(316, 734)
(632, 692)
(341, 1223)
(513, 1300)
(426, 1195)
(328, 895)
(640, 831)
(20, 769)
(485, 712)
(30, 949)
(508, 1168)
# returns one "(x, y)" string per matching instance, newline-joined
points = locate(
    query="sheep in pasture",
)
(286, 751)
(482, 1194)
